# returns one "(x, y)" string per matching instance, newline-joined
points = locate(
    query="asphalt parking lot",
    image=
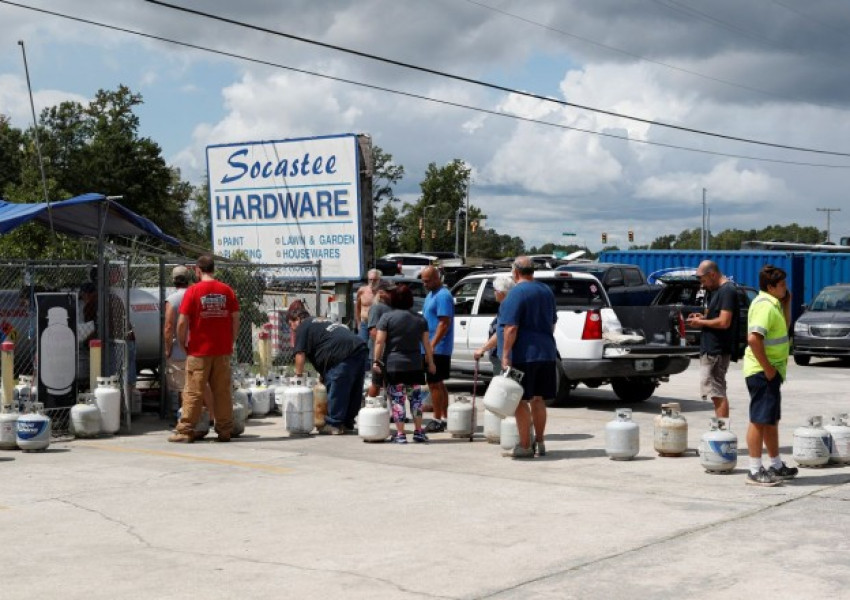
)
(269, 516)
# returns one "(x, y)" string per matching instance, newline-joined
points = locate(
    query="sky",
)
(769, 71)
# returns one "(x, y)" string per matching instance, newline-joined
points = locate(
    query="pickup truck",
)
(633, 363)
(626, 285)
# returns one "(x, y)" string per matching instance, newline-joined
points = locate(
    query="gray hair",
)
(503, 283)
(374, 272)
(524, 265)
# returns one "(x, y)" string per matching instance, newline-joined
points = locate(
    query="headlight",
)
(801, 328)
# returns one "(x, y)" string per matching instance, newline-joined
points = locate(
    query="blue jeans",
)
(345, 389)
(363, 334)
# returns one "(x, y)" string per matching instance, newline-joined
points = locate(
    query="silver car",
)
(824, 328)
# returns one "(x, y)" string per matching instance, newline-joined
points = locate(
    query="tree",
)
(11, 151)
(385, 175)
(664, 242)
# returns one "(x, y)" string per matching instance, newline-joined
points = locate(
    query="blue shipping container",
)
(823, 269)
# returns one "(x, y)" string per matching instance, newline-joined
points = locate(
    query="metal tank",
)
(8, 428)
(240, 414)
(718, 450)
(461, 418)
(622, 436)
(202, 427)
(839, 439)
(107, 397)
(298, 408)
(492, 427)
(33, 430)
(670, 433)
(85, 417)
(811, 443)
(260, 402)
(320, 404)
(373, 420)
(504, 393)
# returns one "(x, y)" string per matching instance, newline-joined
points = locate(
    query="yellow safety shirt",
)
(767, 319)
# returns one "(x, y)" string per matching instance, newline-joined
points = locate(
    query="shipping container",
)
(824, 269)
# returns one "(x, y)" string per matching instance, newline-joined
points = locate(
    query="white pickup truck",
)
(639, 349)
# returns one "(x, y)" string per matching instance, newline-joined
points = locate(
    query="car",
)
(416, 286)
(686, 292)
(447, 259)
(412, 264)
(823, 330)
(626, 284)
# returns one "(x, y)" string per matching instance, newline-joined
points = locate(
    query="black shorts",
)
(443, 362)
(539, 379)
(405, 377)
(765, 399)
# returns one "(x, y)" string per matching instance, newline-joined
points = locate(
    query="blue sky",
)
(532, 180)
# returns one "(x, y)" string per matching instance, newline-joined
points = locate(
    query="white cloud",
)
(15, 101)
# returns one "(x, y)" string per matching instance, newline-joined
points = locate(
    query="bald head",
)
(709, 275)
(523, 267)
(431, 278)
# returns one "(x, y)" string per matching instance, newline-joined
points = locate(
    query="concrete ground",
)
(269, 516)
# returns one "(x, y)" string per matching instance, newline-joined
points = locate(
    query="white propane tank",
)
(839, 439)
(373, 420)
(271, 386)
(298, 408)
(242, 397)
(85, 417)
(107, 396)
(718, 449)
(504, 393)
(320, 404)
(670, 435)
(461, 421)
(202, 427)
(622, 436)
(279, 394)
(508, 433)
(239, 415)
(8, 428)
(492, 427)
(811, 444)
(260, 404)
(33, 430)
(23, 393)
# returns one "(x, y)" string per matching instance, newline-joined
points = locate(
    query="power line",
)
(489, 85)
(420, 96)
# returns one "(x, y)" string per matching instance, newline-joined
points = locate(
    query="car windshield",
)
(570, 293)
(835, 299)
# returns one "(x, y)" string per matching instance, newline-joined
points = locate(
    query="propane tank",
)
(492, 426)
(202, 427)
(298, 407)
(320, 404)
(504, 393)
(461, 421)
(107, 396)
(811, 443)
(279, 392)
(8, 428)
(670, 435)
(718, 449)
(23, 393)
(508, 433)
(839, 439)
(239, 415)
(260, 404)
(33, 430)
(271, 386)
(85, 417)
(241, 396)
(622, 436)
(373, 420)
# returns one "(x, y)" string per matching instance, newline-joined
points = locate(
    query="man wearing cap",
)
(206, 330)
(379, 308)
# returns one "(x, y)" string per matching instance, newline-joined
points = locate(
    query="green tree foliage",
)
(11, 153)
(385, 175)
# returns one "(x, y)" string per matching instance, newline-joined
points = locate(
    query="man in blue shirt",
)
(527, 318)
(439, 312)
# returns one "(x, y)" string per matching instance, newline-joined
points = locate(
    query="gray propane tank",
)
(718, 450)
(85, 417)
(670, 434)
(298, 408)
(8, 428)
(839, 439)
(280, 386)
(811, 443)
(504, 393)
(320, 404)
(461, 421)
(33, 430)
(622, 436)
(240, 413)
(492, 427)
(241, 397)
(373, 420)
(271, 385)
(202, 427)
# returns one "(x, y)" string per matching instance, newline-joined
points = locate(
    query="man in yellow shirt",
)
(765, 364)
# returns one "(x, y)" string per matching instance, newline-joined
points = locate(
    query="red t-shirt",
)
(209, 306)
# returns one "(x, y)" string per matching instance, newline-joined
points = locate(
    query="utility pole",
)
(828, 212)
(466, 218)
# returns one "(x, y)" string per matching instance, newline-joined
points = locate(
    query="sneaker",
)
(762, 478)
(434, 426)
(419, 436)
(519, 452)
(328, 429)
(539, 448)
(181, 438)
(399, 438)
(223, 438)
(784, 472)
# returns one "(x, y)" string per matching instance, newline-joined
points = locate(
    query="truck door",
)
(465, 296)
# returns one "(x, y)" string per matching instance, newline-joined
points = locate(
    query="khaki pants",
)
(201, 370)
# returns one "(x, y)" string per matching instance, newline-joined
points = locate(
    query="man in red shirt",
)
(206, 329)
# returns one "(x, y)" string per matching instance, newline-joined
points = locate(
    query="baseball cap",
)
(179, 271)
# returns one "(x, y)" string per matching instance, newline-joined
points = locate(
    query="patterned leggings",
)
(398, 392)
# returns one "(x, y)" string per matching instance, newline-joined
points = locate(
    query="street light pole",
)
(828, 212)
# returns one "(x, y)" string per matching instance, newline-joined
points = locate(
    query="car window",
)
(416, 260)
(575, 292)
(465, 295)
(632, 277)
(488, 305)
(673, 293)
(835, 299)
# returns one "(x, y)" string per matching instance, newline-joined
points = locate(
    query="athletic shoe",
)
(762, 478)
(329, 429)
(784, 472)
(519, 452)
(399, 438)
(539, 448)
(419, 436)
(434, 426)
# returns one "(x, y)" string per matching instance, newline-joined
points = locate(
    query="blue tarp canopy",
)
(86, 215)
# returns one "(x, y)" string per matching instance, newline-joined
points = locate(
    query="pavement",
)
(269, 516)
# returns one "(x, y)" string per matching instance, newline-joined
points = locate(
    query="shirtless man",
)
(365, 299)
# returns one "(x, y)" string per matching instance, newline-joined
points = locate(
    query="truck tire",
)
(562, 389)
(634, 389)
(802, 359)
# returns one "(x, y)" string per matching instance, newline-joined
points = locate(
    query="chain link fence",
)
(133, 347)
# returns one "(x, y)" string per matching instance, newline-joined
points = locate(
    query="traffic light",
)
(604, 238)
(631, 235)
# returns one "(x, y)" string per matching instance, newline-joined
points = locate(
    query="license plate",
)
(645, 364)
